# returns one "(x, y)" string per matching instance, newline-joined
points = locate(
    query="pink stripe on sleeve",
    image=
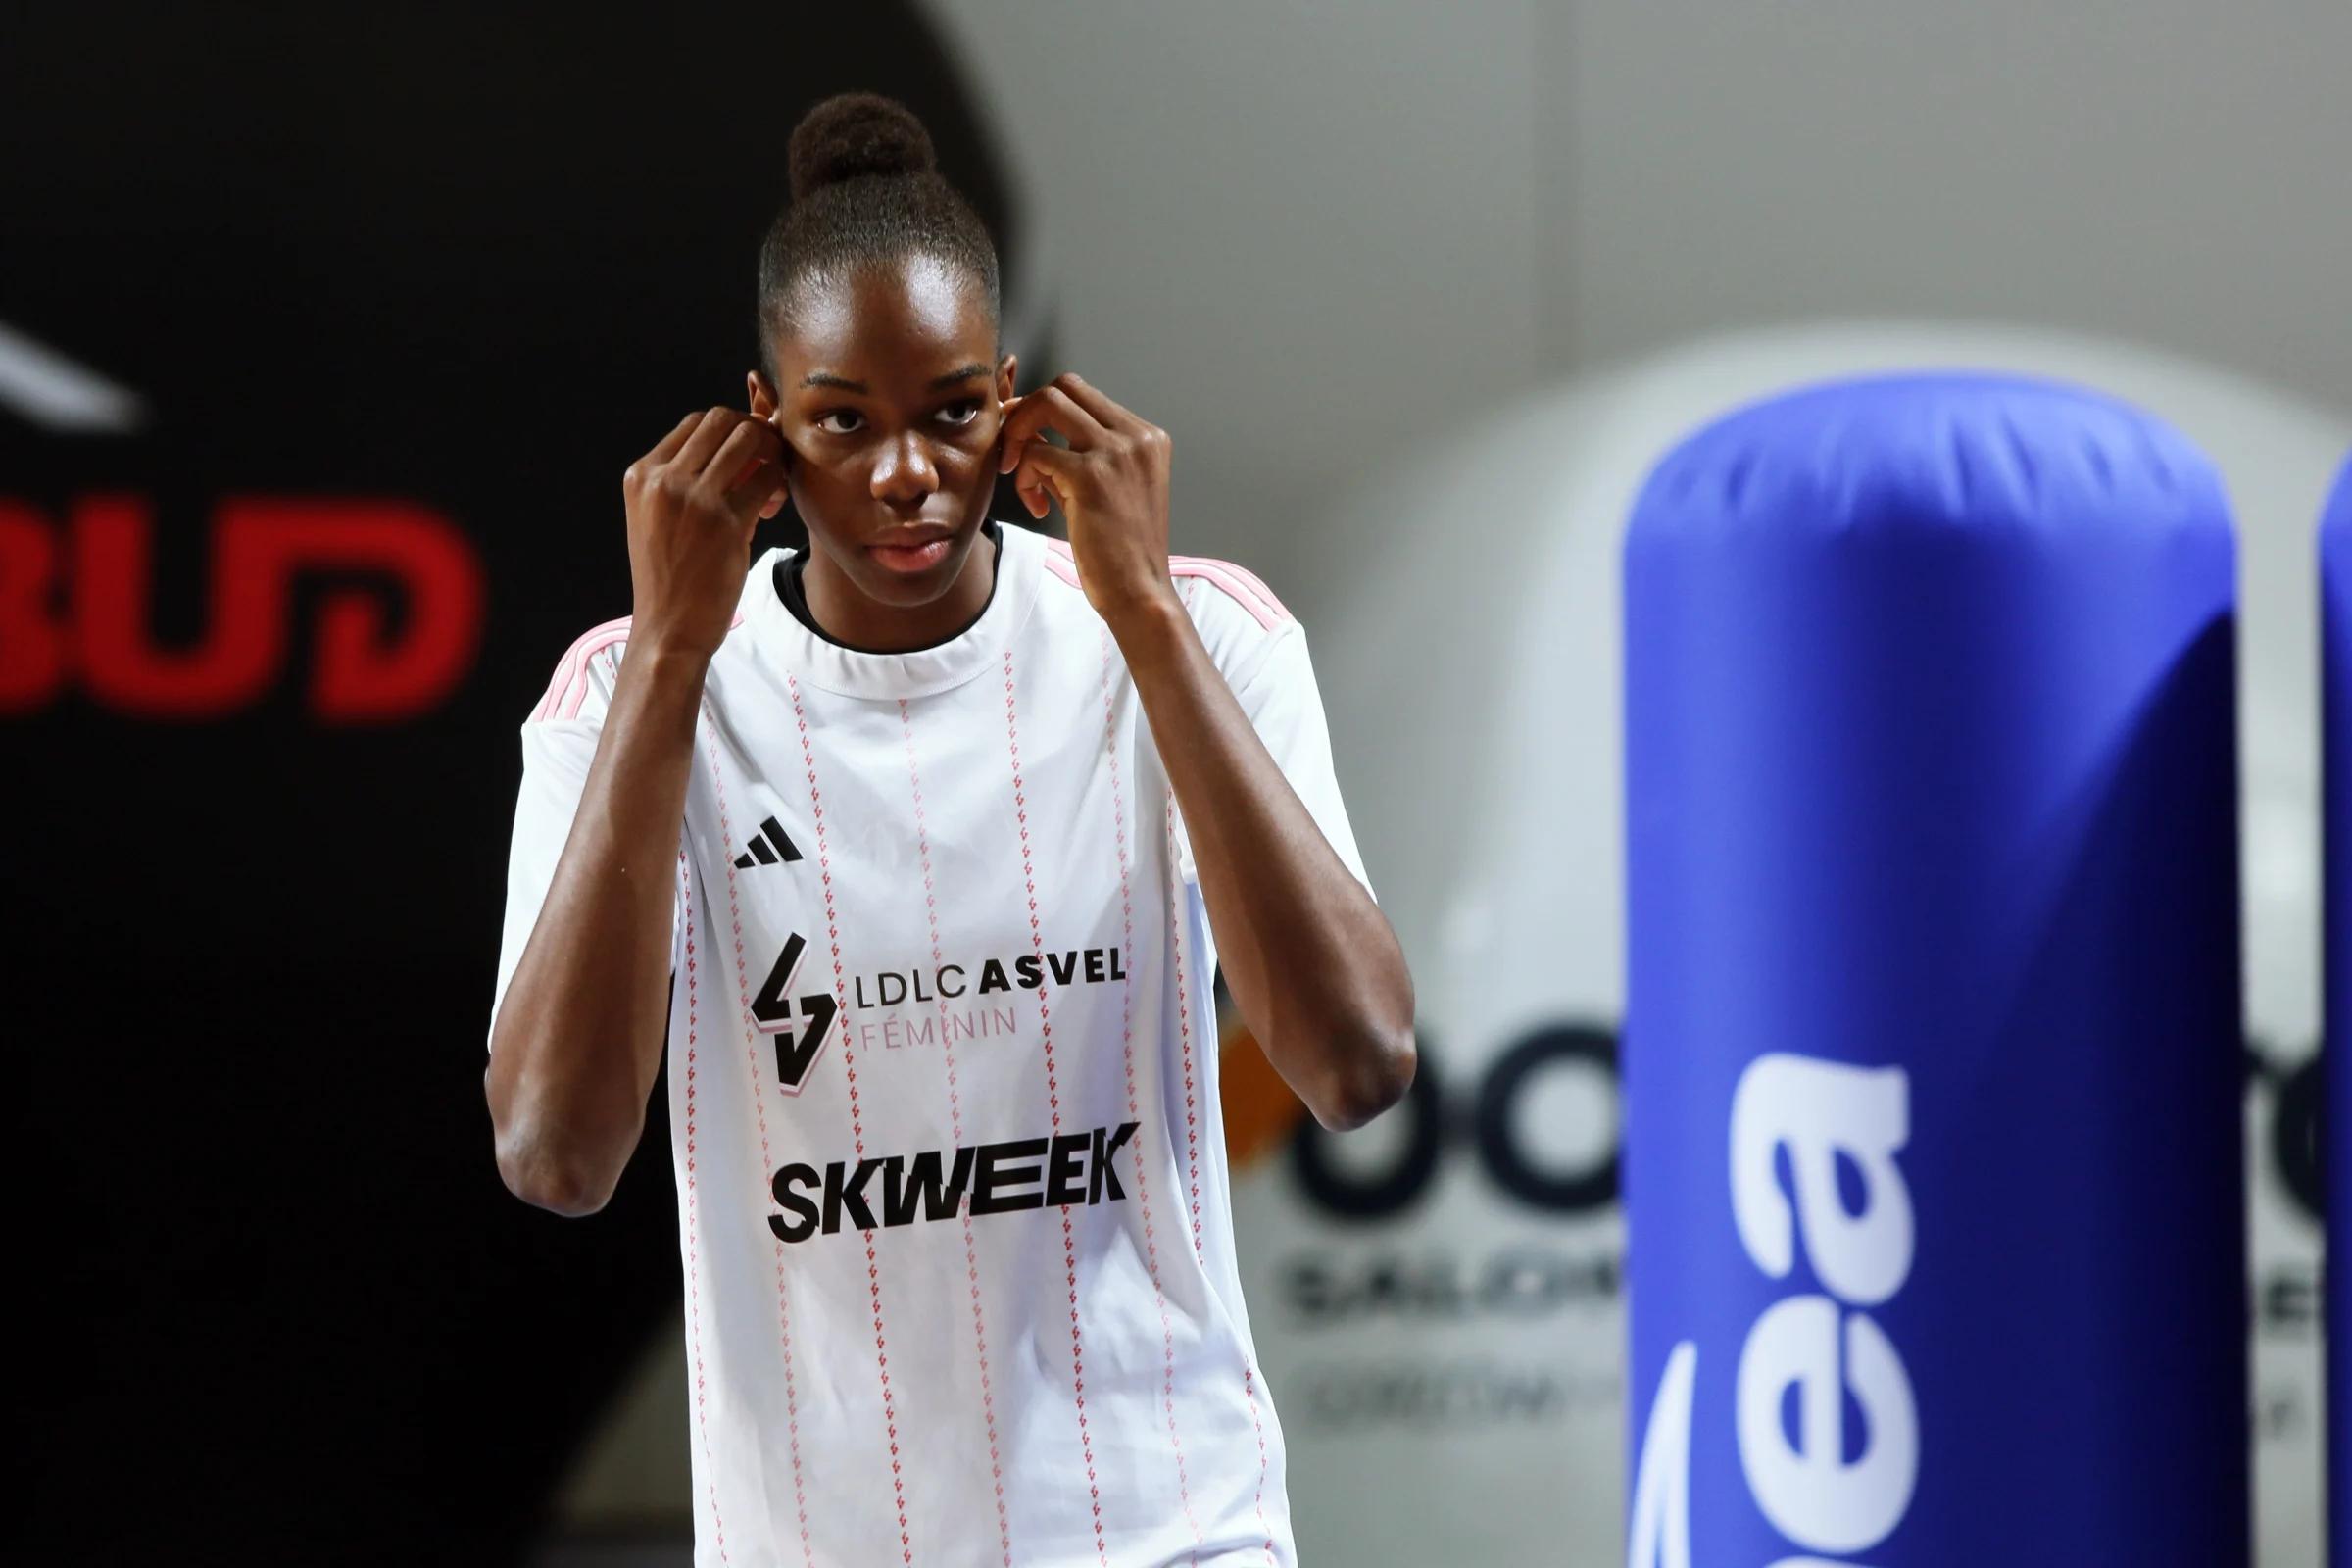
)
(568, 689)
(1267, 610)
(567, 668)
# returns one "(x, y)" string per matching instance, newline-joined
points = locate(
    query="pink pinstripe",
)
(1044, 1019)
(848, 1064)
(694, 1273)
(1143, 1184)
(971, 1257)
(743, 992)
(1183, 1031)
(1176, 933)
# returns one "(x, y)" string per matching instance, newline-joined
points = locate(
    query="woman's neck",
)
(852, 619)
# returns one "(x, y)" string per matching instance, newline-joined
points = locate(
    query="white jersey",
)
(953, 1203)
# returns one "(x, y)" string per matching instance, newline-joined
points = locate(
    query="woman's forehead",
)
(899, 316)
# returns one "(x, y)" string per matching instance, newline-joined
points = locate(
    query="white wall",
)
(1304, 235)
(1291, 234)
(2172, 171)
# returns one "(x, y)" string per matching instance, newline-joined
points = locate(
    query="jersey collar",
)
(850, 673)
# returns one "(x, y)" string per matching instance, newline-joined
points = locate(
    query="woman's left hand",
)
(1112, 483)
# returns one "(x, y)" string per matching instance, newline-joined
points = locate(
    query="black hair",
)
(865, 189)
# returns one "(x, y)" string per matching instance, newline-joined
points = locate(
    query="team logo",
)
(800, 1026)
(892, 1010)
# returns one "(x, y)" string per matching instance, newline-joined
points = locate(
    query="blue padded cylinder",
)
(1932, 1064)
(2335, 728)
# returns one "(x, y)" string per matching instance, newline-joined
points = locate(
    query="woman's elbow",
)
(1376, 1074)
(565, 1187)
(547, 1169)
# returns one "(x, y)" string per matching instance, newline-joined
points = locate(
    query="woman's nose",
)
(903, 472)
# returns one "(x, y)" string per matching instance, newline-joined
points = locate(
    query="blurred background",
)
(325, 334)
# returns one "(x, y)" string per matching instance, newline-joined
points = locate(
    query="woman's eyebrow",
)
(844, 385)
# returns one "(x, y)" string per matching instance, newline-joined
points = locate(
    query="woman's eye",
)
(963, 410)
(840, 422)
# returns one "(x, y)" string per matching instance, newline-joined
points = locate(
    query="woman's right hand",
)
(693, 502)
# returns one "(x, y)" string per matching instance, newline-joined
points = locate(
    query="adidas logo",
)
(761, 854)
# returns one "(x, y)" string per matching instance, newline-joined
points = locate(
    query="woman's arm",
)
(580, 1027)
(579, 1031)
(1311, 961)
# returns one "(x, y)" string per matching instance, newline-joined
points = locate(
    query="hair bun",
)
(854, 134)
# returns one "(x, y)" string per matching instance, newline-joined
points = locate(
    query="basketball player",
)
(970, 817)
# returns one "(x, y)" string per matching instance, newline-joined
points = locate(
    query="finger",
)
(748, 465)
(762, 494)
(1106, 411)
(668, 447)
(1005, 446)
(715, 427)
(1036, 499)
(1050, 408)
(1045, 474)
(1038, 415)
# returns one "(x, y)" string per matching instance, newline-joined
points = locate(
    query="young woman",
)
(969, 819)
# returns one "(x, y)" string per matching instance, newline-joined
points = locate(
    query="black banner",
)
(325, 333)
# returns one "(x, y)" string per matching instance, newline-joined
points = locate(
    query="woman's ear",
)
(1005, 377)
(763, 396)
(763, 408)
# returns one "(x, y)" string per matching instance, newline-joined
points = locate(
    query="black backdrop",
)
(462, 261)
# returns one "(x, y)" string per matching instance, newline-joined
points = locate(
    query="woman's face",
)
(888, 395)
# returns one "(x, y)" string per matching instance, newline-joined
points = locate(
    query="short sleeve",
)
(1285, 707)
(559, 742)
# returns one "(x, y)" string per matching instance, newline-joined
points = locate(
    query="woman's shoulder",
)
(1225, 584)
(1210, 587)
(575, 678)
(584, 676)
(1239, 617)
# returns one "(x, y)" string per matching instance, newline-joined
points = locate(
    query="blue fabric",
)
(2335, 702)
(1931, 767)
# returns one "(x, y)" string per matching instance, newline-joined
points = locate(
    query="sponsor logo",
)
(45, 388)
(75, 606)
(891, 988)
(801, 1024)
(1366, 1261)
(1064, 1171)
(1821, 1347)
(769, 844)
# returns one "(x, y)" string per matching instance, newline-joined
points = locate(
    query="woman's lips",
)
(913, 558)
